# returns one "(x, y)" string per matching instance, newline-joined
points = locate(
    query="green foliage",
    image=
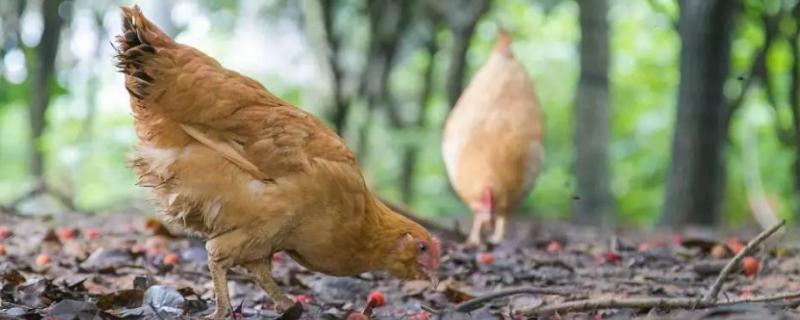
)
(643, 73)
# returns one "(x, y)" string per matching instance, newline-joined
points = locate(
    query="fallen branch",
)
(717, 286)
(649, 303)
(477, 302)
(430, 225)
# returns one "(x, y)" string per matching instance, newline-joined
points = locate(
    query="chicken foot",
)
(260, 270)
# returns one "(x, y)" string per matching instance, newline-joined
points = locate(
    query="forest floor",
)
(129, 267)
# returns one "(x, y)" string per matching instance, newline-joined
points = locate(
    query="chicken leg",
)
(474, 238)
(260, 270)
(499, 230)
(219, 276)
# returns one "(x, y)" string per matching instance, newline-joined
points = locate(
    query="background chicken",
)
(230, 162)
(492, 141)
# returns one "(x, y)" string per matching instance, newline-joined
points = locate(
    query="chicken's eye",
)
(423, 247)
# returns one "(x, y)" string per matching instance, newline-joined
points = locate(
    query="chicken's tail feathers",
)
(139, 41)
(138, 30)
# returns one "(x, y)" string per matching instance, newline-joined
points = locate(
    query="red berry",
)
(304, 299)
(608, 257)
(65, 233)
(554, 246)
(750, 265)
(735, 245)
(91, 233)
(43, 259)
(5, 232)
(376, 297)
(485, 258)
(171, 259)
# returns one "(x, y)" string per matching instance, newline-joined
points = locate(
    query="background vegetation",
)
(385, 74)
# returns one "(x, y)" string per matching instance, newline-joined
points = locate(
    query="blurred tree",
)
(388, 20)
(43, 69)
(594, 202)
(341, 102)
(788, 134)
(411, 151)
(696, 177)
(461, 17)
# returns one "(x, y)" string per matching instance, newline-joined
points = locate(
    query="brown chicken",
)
(230, 162)
(492, 141)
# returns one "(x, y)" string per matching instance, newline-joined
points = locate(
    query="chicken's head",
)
(416, 257)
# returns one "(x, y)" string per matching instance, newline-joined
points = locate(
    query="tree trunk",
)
(462, 20)
(411, 151)
(696, 176)
(594, 204)
(794, 103)
(387, 21)
(341, 103)
(42, 75)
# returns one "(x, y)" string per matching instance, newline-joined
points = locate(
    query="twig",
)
(430, 225)
(717, 286)
(477, 302)
(649, 303)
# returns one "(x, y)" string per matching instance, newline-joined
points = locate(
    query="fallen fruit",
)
(43, 259)
(5, 232)
(376, 297)
(735, 245)
(608, 257)
(304, 299)
(91, 233)
(65, 233)
(719, 251)
(554, 246)
(171, 259)
(485, 258)
(750, 265)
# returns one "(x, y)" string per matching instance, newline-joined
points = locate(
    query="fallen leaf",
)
(415, 287)
(163, 298)
(72, 309)
(130, 298)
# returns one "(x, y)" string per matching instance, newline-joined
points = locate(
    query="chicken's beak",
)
(433, 278)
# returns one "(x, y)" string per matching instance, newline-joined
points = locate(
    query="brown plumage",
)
(230, 162)
(492, 141)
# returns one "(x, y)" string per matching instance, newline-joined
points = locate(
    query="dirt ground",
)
(78, 267)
